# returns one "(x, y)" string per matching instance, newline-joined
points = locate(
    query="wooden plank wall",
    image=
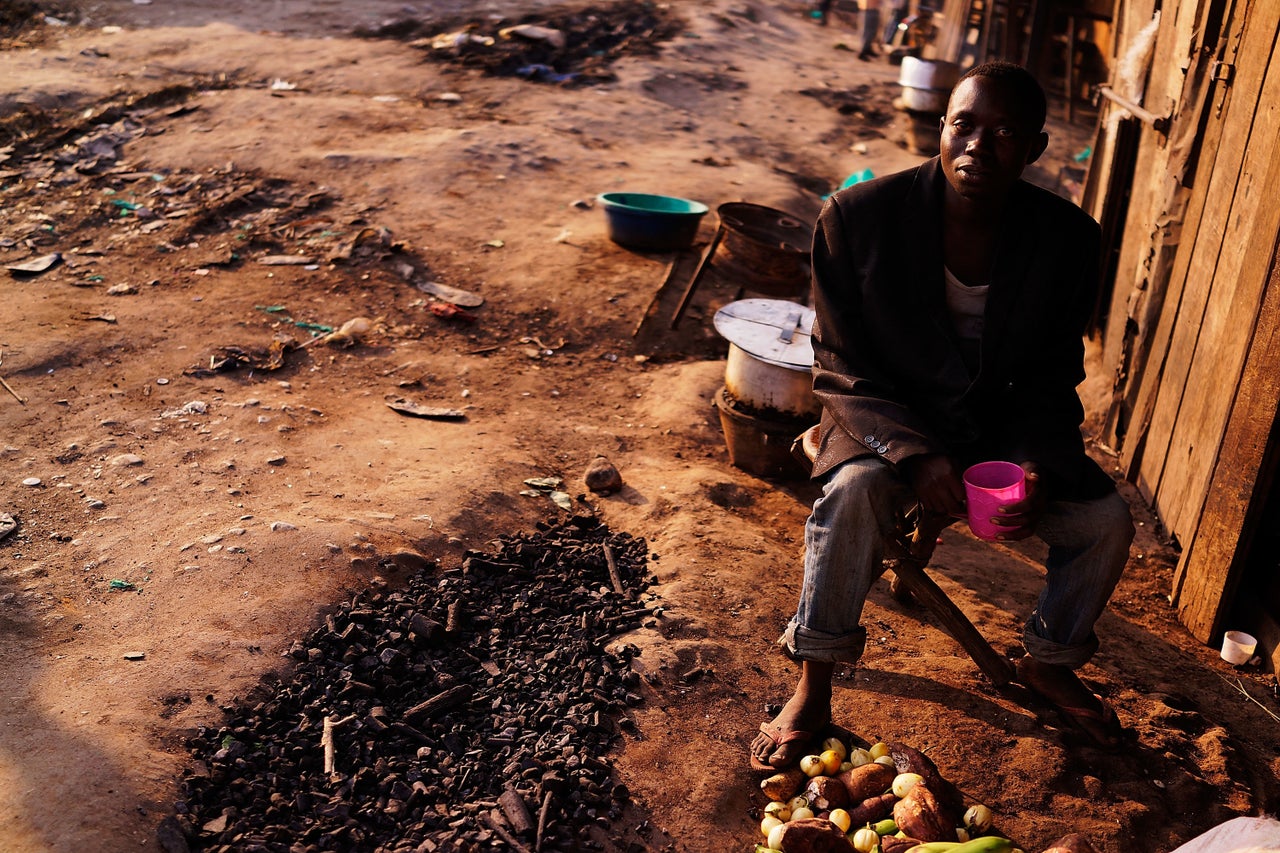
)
(1240, 323)
(1214, 562)
(1197, 131)
(1199, 240)
(1214, 322)
(1154, 205)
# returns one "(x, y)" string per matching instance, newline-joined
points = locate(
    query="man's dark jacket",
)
(888, 368)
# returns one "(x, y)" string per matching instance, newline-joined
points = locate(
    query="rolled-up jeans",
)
(855, 521)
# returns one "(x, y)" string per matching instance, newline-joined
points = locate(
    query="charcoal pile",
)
(474, 710)
(570, 46)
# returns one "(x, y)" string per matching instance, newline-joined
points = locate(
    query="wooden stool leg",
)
(697, 276)
(928, 593)
(909, 572)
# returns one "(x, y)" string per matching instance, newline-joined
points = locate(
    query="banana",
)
(985, 844)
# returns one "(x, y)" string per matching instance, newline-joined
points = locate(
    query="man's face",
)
(986, 141)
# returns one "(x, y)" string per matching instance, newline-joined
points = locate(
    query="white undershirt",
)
(966, 306)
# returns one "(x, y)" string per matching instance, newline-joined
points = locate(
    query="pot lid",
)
(772, 330)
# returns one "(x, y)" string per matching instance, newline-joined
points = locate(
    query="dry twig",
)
(1240, 686)
(613, 570)
(326, 739)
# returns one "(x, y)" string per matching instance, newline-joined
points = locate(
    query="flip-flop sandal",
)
(1088, 721)
(780, 738)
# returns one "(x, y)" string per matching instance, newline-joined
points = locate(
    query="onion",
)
(978, 818)
(834, 743)
(841, 818)
(775, 837)
(886, 760)
(865, 840)
(859, 757)
(800, 814)
(798, 802)
(781, 811)
(831, 761)
(904, 782)
(879, 749)
(769, 824)
(811, 765)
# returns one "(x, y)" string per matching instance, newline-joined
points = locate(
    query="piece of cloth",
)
(888, 366)
(855, 519)
(1238, 835)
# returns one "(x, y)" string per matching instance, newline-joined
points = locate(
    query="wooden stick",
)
(497, 827)
(515, 811)
(450, 698)
(613, 570)
(542, 822)
(11, 391)
(326, 740)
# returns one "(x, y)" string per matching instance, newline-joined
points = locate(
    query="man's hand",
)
(1019, 520)
(936, 482)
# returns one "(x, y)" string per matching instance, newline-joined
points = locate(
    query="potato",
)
(869, 780)
(814, 835)
(826, 792)
(919, 815)
(783, 786)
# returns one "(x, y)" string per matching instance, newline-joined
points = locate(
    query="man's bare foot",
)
(1063, 688)
(786, 739)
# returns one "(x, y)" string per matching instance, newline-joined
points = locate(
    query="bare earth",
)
(243, 518)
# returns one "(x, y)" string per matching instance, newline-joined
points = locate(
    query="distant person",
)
(951, 305)
(868, 24)
(897, 14)
(869, 28)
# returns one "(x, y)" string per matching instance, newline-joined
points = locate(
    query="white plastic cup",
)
(989, 486)
(1238, 647)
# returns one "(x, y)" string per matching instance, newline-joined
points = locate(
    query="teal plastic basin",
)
(648, 221)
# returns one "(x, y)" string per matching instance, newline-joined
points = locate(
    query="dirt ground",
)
(207, 518)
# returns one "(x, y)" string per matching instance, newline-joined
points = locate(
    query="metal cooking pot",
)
(770, 364)
(932, 101)
(918, 73)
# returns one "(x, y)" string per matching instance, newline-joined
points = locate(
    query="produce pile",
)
(881, 798)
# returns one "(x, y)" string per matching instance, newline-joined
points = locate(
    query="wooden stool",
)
(916, 548)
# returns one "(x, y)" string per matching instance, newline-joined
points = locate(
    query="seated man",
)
(951, 305)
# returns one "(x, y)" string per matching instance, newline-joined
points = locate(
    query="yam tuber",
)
(783, 786)
(824, 792)
(872, 809)
(911, 760)
(814, 835)
(893, 844)
(1073, 843)
(867, 781)
(919, 815)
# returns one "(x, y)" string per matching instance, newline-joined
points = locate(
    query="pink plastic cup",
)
(989, 486)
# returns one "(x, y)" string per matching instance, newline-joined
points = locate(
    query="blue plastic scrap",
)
(856, 178)
(538, 71)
